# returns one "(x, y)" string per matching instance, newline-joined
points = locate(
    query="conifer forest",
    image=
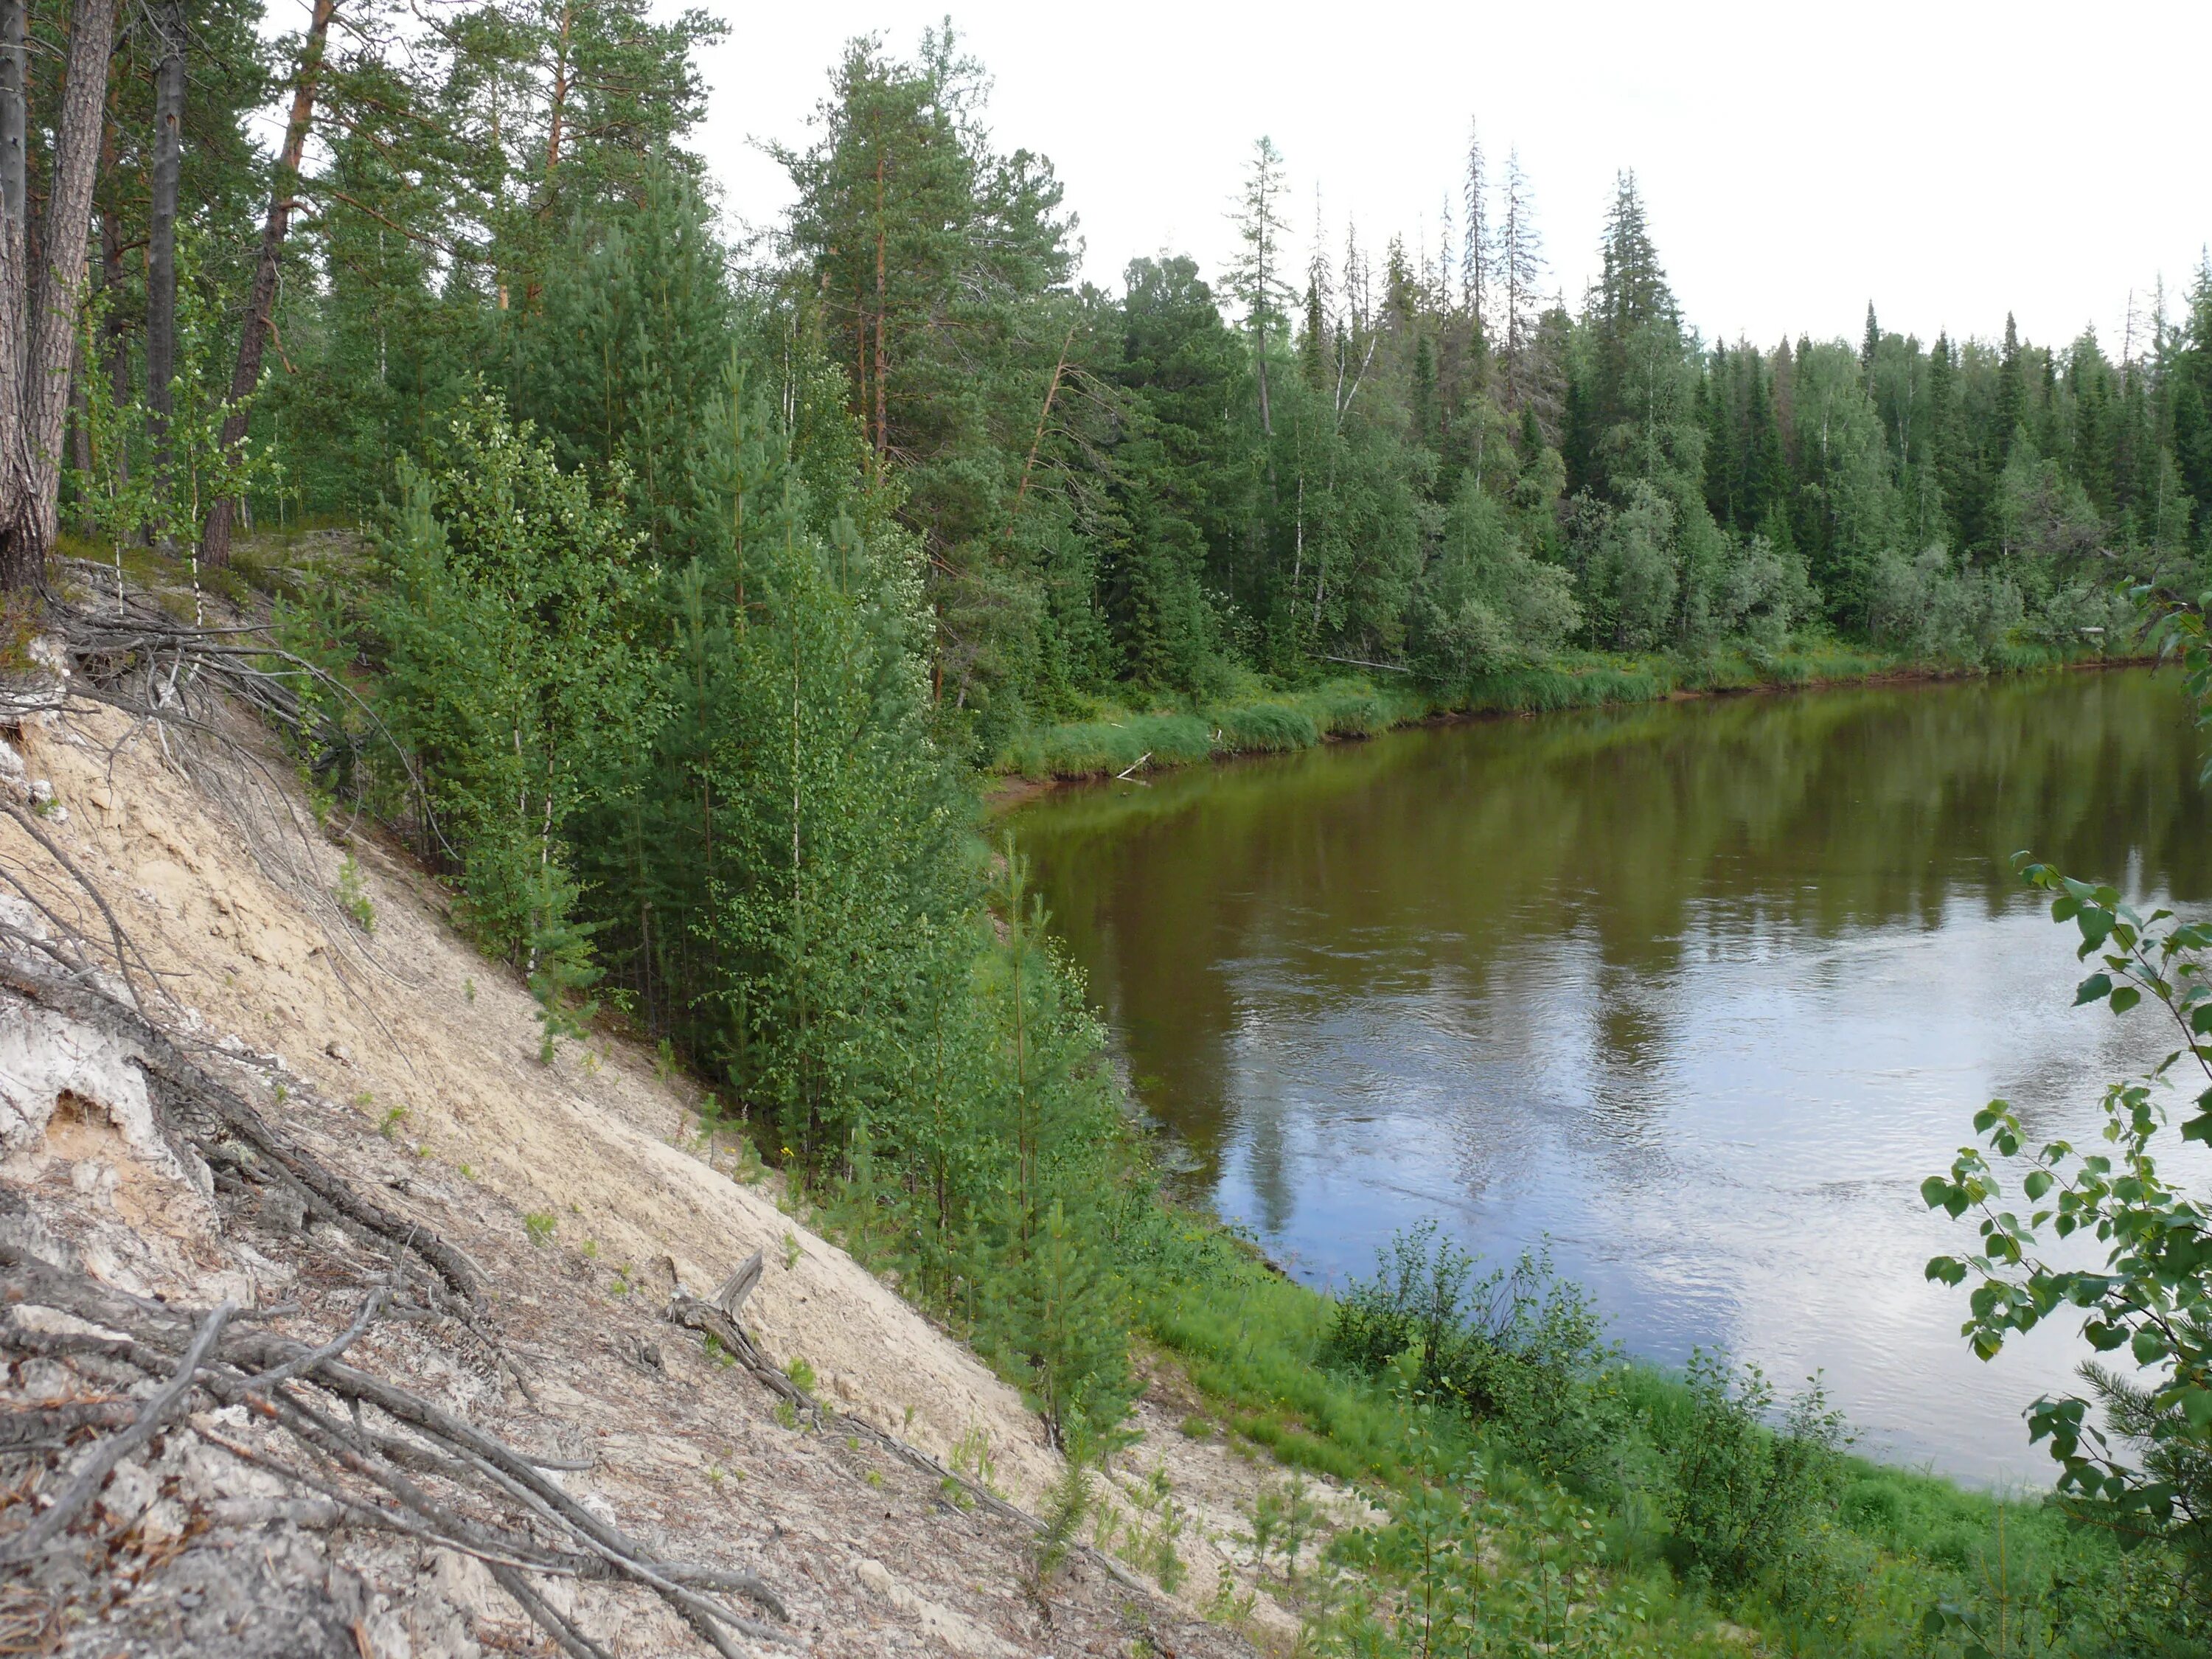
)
(677, 592)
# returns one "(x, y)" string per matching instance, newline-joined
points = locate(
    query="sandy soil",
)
(406, 1060)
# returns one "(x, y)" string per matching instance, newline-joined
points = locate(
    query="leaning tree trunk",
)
(161, 238)
(254, 334)
(38, 330)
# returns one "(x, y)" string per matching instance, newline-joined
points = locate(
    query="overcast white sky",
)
(1948, 159)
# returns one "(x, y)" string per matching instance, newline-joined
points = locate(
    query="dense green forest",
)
(678, 585)
(1430, 462)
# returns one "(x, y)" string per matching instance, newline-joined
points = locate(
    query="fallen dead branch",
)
(716, 1317)
(92, 1472)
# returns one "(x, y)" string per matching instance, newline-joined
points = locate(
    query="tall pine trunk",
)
(111, 281)
(161, 237)
(38, 324)
(253, 333)
(14, 118)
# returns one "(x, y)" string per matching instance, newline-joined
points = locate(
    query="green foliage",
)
(1479, 1534)
(1476, 1561)
(1924, 608)
(2146, 1470)
(1485, 603)
(717, 784)
(1067, 1504)
(626, 350)
(1142, 1527)
(131, 484)
(353, 898)
(1261, 726)
(499, 628)
(1095, 747)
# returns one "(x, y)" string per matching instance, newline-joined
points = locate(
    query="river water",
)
(1699, 991)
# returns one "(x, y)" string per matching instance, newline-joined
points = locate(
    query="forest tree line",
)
(1425, 461)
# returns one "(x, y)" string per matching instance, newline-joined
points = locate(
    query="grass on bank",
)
(1256, 719)
(1892, 1545)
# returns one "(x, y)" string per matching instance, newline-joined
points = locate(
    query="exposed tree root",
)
(394, 1436)
(476, 1495)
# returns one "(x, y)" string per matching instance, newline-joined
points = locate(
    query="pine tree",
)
(168, 22)
(1716, 414)
(1423, 396)
(937, 267)
(39, 307)
(1313, 339)
(628, 344)
(1766, 465)
(1632, 289)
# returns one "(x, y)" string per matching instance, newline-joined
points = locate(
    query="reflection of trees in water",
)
(1631, 1036)
(1465, 853)
(1266, 1167)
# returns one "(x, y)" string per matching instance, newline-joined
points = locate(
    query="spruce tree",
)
(1478, 258)
(2191, 417)
(2012, 394)
(1256, 273)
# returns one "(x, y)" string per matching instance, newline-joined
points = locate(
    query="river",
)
(1699, 991)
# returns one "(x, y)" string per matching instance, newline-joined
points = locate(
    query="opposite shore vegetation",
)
(702, 581)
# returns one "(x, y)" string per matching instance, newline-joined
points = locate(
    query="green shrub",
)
(1745, 1492)
(2141, 1465)
(353, 897)
(1520, 1347)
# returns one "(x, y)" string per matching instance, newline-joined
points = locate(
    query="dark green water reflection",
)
(1701, 991)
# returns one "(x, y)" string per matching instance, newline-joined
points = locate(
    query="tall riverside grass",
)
(1100, 748)
(1282, 721)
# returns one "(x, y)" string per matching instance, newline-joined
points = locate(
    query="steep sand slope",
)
(408, 1064)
